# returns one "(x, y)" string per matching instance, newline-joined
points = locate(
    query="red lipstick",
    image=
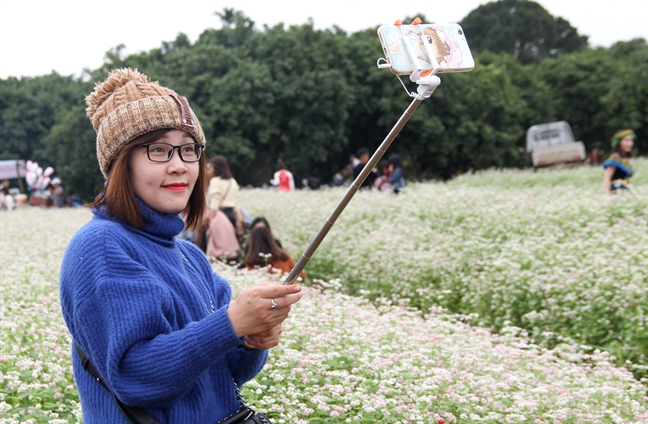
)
(176, 186)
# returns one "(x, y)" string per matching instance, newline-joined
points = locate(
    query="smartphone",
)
(446, 43)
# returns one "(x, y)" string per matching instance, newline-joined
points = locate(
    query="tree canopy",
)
(310, 97)
(523, 29)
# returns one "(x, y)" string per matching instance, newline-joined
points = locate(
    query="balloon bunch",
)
(37, 178)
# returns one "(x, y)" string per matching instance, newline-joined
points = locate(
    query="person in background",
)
(618, 169)
(58, 194)
(340, 177)
(263, 251)
(382, 181)
(261, 222)
(595, 157)
(144, 309)
(223, 192)
(6, 199)
(283, 178)
(74, 200)
(222, 242)
(396, 173)
(216, 235)
(363, 158)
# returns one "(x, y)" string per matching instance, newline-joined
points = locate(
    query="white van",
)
(553, 143)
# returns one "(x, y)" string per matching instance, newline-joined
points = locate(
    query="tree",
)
(625, 101)
(579, 82)
(71, 144)
(310, 97)
(521, 28)
(27, 112)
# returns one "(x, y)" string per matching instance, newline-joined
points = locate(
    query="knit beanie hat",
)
(127, 105)
(621, 134)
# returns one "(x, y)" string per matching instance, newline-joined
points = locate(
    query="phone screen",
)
(447, 43)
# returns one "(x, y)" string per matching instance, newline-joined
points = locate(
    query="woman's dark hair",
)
(260, 219)
(221, 167)
(260, 241)
(362, 151)
(118, 196)
(396, 162)
(282, 165)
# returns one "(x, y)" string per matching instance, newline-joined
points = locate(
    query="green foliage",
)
(70, 144)
(626, 99)
(521, 28)
(579, 81)
(27, 112)
(310, 97)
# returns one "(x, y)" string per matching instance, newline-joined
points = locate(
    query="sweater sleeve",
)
(147, 330)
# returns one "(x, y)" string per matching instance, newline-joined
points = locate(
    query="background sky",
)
(66, 36)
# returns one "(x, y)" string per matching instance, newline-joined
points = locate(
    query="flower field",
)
(503, 296)
(545, 251)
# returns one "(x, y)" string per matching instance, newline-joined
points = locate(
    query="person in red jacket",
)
(283, 178)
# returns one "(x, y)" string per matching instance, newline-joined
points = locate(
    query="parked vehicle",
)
(553, 143)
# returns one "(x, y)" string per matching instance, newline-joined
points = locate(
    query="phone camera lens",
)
(460, 32)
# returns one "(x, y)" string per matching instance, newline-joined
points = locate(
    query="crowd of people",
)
(52, 195)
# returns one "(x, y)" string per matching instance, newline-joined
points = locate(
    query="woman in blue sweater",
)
(154, 320)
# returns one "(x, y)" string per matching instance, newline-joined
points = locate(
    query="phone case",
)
(447, 41)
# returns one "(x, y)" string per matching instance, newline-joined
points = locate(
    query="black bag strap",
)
(133, 414)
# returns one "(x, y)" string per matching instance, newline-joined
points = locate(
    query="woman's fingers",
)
(262, 307)
(266, 339)
(269, 291)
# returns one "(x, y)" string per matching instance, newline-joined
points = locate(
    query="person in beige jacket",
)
(223, 192)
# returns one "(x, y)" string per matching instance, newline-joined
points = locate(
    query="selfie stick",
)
(426, 86)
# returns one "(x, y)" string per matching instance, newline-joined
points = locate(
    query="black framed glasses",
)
(163, 152)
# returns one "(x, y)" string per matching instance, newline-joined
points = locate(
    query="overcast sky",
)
(39, 36)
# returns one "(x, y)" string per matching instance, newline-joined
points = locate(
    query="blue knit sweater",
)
(138, 302)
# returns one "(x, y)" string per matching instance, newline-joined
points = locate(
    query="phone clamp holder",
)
(426, 79)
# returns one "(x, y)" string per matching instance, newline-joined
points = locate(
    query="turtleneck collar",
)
(157, 225)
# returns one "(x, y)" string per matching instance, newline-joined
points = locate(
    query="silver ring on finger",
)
(274, 305)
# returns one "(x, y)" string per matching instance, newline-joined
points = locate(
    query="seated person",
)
(263, 251)
(363, 157)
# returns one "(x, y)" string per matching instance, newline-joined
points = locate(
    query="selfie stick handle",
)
(426, 87)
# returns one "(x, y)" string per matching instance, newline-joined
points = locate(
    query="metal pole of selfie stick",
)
(425, 89)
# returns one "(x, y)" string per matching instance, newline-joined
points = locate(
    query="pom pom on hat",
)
(126, 105)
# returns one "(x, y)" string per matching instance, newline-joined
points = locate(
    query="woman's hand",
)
(265, 340)
(252, 314)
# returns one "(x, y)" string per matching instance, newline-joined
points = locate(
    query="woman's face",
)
(164, 186)
(627, 143)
